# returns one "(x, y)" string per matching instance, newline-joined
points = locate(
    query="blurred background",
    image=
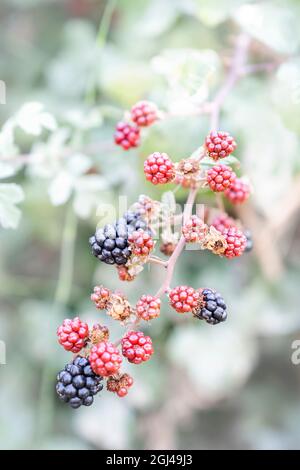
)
(71, 68)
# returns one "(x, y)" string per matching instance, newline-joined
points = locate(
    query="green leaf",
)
(10, 195)
(286, 93)
(275, 25)
(190, 73)
(7, 145)
(157, 18)
(230, 161)
(225, 357)
(214, 12)
(6, 170)
(32, 119)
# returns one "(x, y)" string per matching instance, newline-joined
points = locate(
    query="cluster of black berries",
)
(110, 243)
(213, 307)
(77, 383)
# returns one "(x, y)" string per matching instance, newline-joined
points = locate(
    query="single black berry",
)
(110, 243)
(212, 307)
(77, 383)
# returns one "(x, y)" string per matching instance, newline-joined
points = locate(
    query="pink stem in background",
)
(238, 61)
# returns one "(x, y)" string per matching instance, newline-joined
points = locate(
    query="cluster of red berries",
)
(194, 230)
(101, 358)
(73, 334)
(148, 307)
(132, 235)
(119, 384)
(100, 297)
(236, 242)
(184, 299)
(204, 304)
(141, 242)
(223, 221)
(220, 178)
(159, 168)
(105, 359)
(219, 145)
(137, 347)
(236, 239)
(238, 192)
(142, 114)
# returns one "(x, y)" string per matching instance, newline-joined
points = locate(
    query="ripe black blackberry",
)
(77, 383)
(249, 244)
(212, 307)
(110, 243)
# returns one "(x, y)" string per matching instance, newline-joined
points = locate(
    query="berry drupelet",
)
(110, 244)
(238, 192)
(184, 299)
(77, 383)
(220, 178)
(212, 307)
(144, 113)
(159, 169)
(137, 347)
(219, 145)
(127, 135)
(73, 334)
(105, 359)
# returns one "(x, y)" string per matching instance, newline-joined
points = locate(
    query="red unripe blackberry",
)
(148, 307)
(144, 113)
(219, 145)
(194, 230)
(184, 299)
(239, 192)
(220, 177)
(223, 221)
(100, 297)
(105, 359)
(236, 242)
(141, 242)
(119, 384)
(137, 347)
(127, 135)
(159, 169)
(73, 334)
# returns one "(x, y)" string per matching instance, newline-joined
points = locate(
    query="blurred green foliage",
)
(71, 68)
